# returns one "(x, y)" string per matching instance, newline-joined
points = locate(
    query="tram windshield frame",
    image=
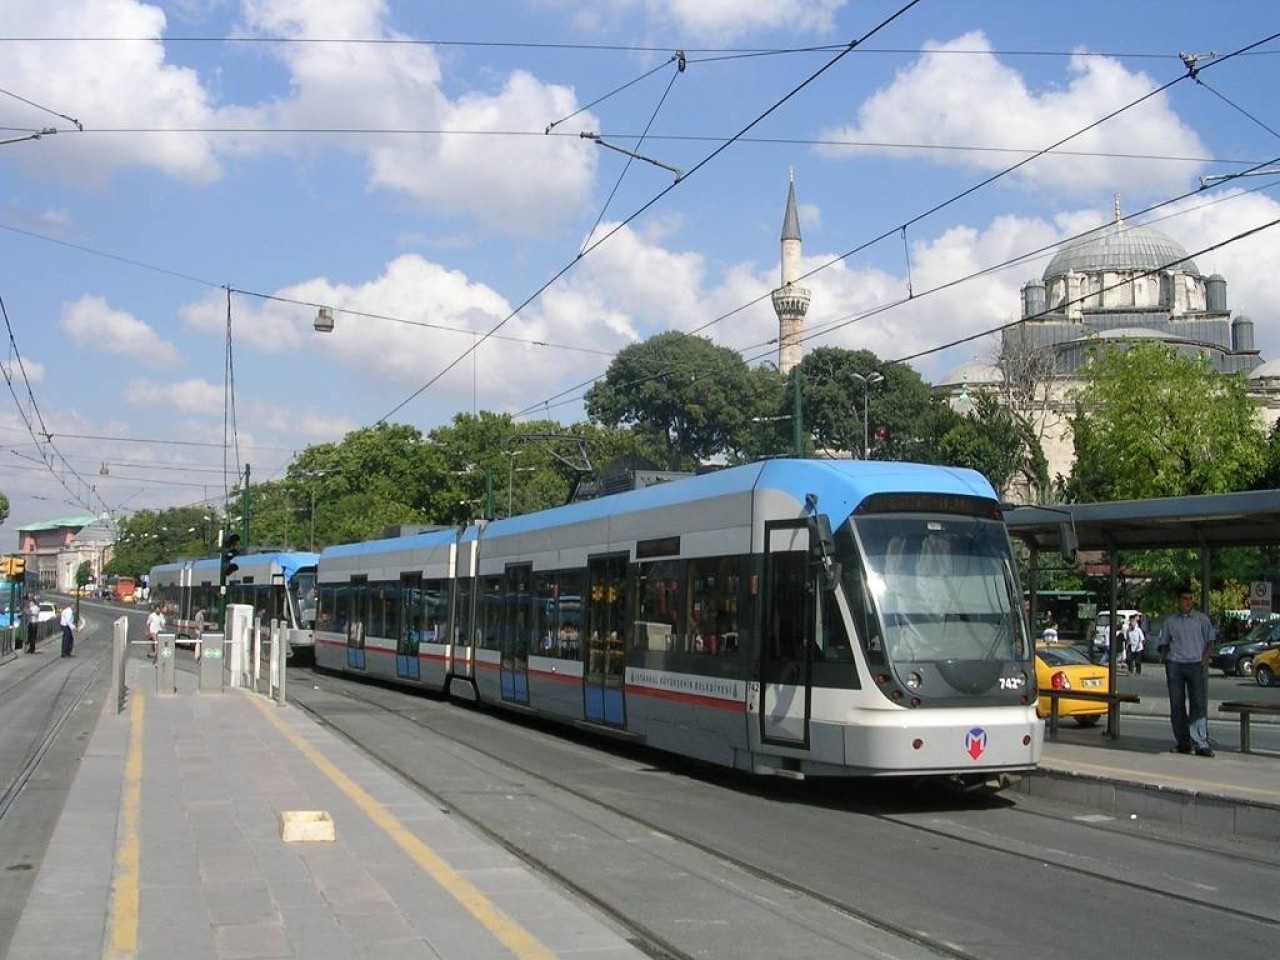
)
(932, 588)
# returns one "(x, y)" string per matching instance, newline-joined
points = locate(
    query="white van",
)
(1101, 626)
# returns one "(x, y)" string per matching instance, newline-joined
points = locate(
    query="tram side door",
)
(785, 666)
(517, 627)
(408, 666)
(605, 671)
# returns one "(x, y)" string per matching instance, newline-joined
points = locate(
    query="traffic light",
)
(17, 566)
(6, 564)
(230, 550)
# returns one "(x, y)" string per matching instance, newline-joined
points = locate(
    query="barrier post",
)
(273, 672)
(257, 655)
(119, 654)
(211, 675)
(282, 659)
(166, 666)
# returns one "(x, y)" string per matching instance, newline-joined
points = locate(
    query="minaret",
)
(790, 302)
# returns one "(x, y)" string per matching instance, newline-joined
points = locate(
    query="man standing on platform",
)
(33, 623)
(68, 623)
(1186, 642)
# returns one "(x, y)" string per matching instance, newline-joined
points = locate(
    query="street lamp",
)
(868, 380)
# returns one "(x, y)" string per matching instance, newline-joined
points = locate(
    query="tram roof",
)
(840, 485)
(1247, 519)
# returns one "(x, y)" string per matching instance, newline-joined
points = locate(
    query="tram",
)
(279, 586)
(790, 618)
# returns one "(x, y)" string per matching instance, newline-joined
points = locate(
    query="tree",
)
(4, 508)
(1150, 422)
(1001, 445)
(84, 573)
(681, 393)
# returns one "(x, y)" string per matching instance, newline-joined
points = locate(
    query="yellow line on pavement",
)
(513, 936)
(122, 920)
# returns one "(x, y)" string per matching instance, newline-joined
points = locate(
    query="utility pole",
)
(245, 505)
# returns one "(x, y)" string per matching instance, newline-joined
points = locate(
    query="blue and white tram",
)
(279, 586)
(797, 618)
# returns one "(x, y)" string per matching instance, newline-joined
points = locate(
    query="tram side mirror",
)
(821, 546)
(1068, 542)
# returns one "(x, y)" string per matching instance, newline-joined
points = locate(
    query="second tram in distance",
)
(794, 618)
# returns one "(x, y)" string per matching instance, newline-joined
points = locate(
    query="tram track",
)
(648, 940)
(1117, 887)
(55, 719)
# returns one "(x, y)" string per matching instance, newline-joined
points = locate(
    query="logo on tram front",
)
(975, 742)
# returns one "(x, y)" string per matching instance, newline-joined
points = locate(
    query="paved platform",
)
(170, 846)
(170, 841)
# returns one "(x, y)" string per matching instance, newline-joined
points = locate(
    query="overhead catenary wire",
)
(1187, 74)
(852, 45)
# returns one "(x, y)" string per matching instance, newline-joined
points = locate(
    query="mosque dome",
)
(974, 373)
(1119, 246)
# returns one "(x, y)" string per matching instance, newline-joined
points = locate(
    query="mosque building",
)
(1120, 282)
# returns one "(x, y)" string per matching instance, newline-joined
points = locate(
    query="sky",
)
(493, 198)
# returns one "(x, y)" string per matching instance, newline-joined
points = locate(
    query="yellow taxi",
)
(1063, 667)
(1266, 667)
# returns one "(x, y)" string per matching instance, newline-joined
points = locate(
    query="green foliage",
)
(998, 443)
(84, 573)
(682, 394)
(1152, 423)
(149, 537)
(4, 508)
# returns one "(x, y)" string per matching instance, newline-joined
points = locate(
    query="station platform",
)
(170, 845)
(170, 842)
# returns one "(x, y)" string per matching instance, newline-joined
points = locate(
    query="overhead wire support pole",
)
(587, 135)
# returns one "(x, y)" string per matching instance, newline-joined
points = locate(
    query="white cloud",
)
(186, 396)
(34, 370)
(92, 325)
(105, 85)
(362, 86)
(720, 19)
(975, 100)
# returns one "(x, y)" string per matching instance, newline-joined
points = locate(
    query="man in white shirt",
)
(155, 623)
(1135, 641)
(68, 621)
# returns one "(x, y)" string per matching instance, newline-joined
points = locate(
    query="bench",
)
(1246, 709)
(1099, 695)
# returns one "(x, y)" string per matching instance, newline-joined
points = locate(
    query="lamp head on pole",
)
(324, 320)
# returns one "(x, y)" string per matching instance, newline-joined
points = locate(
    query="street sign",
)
(1260, 600)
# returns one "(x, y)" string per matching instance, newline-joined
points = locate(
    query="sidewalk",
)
(170, 845)
(1232, 793)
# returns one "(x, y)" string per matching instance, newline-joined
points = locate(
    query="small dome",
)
(973, 373)
(1267, 371)
(1119, 246)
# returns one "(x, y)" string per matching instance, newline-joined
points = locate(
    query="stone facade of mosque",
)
(1121, 282)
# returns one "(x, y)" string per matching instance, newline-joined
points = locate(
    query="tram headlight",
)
(914, 681)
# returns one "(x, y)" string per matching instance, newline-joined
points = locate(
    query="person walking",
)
(33, 623)
(1186, 642)
(1050, 634)
(68, 623)
(1135, 642)
(155, 623)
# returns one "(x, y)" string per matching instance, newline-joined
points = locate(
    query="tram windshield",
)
(304, 590)
(933, 589)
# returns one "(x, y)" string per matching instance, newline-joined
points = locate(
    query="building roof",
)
(78, 522)
(1120, 246)
(1223, 520)
(971, 373)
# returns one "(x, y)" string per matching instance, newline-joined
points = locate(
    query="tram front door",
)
(604, 675)
(785, 668)
(517, 628)
(408, 666)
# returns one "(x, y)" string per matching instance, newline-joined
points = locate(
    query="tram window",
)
(660, 605)
(436, 610)
(464, 626)
(713, 605)
(490, 611)
(384, 610)
(852, 575)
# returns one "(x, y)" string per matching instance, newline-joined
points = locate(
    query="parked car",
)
(47, 612)
(1063, 667)
(1266, 667)
(1237, 659)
